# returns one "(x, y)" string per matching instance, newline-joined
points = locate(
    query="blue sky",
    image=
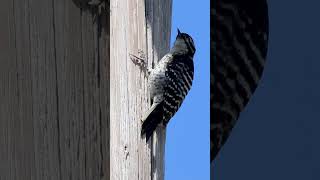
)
(277, 137)
(188, 145)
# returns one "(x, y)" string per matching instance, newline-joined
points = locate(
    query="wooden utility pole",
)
(68, 108)
(54, 91)
(135, 25)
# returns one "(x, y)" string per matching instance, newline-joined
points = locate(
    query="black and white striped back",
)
(238, 52)
(179, 76)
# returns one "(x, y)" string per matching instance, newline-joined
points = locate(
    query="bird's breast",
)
(156, 82)
(157, 77)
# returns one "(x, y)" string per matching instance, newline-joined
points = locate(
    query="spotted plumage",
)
(169, 82)
(238, 49)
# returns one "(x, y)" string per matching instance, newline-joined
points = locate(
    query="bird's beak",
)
(178, 32)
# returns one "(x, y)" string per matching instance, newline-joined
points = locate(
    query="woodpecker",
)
(238, 48)
(169, 83)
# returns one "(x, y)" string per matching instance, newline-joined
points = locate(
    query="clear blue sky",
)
(188, 145)
(277, 137)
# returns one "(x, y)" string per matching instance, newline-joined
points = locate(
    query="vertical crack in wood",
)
(56, 88)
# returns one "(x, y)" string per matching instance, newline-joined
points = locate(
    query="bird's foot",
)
(140, 61)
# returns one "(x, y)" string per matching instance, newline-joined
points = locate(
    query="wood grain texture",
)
(135, 26)
(54, 92)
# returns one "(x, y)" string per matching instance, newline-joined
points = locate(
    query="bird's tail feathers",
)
(152, 120)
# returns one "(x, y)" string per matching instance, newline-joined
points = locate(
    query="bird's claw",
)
(140, 61)
(141, 54)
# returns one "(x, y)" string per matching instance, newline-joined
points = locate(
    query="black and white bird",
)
(169, 83)
(238, 49)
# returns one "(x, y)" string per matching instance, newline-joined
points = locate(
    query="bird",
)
(169, 82)
(238, 53)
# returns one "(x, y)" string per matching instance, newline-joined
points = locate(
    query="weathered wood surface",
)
(135, 26)
(54, 92)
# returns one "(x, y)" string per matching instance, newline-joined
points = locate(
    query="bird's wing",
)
(179, 76)
(239, 49)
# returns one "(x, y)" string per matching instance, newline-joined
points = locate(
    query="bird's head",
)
(184, 44)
